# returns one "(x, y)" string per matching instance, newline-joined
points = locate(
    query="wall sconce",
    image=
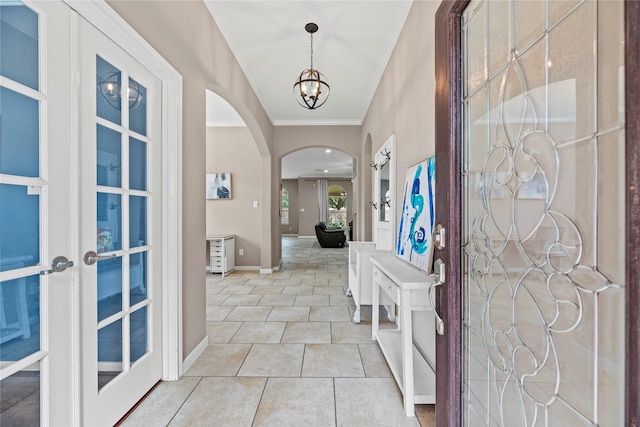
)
(110, 89)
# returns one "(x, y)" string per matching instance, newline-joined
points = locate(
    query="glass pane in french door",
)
(21, 215)
(21, 398)
(544, 213)
(121, 221)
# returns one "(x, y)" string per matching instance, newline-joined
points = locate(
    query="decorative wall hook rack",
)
(373, 204)
(387, 154)
(373, 165)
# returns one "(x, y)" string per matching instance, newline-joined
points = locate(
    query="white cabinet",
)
(412, 368)
(222, 253)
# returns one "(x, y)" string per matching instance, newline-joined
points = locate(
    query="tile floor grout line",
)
(282, 334)
(304, 353)
(235, 333)
(364, 369)
(185, 400)
(255, 414)
(244, 359)
(335, 403)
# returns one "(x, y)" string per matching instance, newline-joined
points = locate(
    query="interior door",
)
(120, 204)
(36, 192)
(536, 214)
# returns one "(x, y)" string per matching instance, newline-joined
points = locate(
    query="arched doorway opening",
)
(233, 152)
(314, 179)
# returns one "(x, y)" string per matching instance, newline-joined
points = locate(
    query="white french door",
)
(80, 172)
(120, 228)
(36, 219)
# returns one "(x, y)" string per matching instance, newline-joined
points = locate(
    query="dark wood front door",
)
(537, 147)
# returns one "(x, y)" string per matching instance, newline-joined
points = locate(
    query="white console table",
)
(408, 287)
(222, 253)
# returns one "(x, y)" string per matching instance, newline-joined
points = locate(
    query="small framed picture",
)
(218, 186)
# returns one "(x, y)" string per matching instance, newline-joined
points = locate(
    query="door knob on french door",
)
(59, 263)
(92, 257)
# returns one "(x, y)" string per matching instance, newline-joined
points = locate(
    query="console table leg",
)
(375, 310)
(407, 352)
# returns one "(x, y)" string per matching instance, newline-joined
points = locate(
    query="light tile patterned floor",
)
(284, 352)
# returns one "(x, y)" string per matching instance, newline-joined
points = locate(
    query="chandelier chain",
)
(312, 51)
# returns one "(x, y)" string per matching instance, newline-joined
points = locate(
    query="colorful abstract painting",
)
(418, 216)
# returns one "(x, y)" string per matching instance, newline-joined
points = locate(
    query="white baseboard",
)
(279, 266)
(307, 237)
(289, 235)
(262, 270)
(193, 356)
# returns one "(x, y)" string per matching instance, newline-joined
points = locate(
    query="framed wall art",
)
(418, 215)
(218, 186)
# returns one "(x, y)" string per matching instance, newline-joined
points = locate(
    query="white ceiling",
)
(317, 163)
(351, 48)
(221, 114)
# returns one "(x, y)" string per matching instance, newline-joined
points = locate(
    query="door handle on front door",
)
(59, 263)
(438, 268)
(438, 237)
(92, 257)
(439, 243)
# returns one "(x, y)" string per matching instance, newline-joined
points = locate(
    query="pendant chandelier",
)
(310, 89)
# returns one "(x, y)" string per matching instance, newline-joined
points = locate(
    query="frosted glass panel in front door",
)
(543, 163)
